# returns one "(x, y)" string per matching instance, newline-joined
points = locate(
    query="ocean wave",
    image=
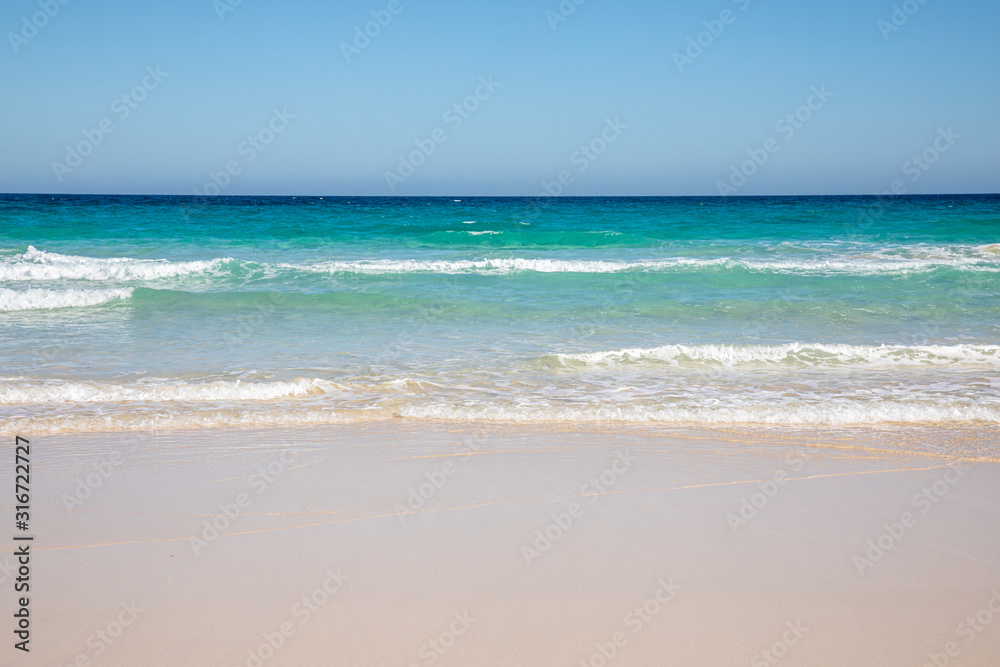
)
(39, 265)
(789, 355)
(481, 266)
(851, 266)
(163, 391)
(44, 299)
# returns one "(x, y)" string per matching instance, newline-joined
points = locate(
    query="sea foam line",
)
(39, 265)
(796, 354)
(522, 265)
(843, 413)
(846, 413)
(164, 391)
(177, 420)
(44, 299)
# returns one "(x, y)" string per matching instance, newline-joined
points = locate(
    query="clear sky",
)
(658, 113)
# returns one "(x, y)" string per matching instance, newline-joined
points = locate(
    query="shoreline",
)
(23, 424)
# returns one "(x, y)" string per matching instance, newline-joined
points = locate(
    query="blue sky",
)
(930, 87)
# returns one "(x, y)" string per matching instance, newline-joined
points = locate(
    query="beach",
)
(525, 334)
(486, 544)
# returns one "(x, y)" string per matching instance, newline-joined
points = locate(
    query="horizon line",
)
(536, 196)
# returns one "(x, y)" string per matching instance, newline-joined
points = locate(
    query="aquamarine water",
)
(137, 312)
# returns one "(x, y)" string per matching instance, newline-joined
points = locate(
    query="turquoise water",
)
(134, 312)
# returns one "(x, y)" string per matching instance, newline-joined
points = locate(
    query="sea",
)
(143, 312)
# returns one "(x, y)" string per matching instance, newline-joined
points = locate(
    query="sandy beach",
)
(427, 544)
(524, 334)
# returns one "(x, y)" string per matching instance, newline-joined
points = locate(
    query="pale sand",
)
(407, 581)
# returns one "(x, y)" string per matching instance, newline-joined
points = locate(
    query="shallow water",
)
(138, 312)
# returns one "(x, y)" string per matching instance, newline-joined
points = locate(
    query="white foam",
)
(843, 414)
(850, 266)
(177, 420)
(39, 265)
(159, 391)
(43, 299)
(846, 413)
(483, 266)
(102, 406)
(795, 354)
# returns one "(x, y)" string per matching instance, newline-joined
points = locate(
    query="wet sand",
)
(418, 543)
